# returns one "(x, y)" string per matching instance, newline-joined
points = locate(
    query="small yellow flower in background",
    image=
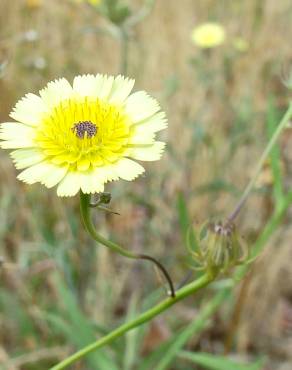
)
(91, 2)
(82, 136)
(240, 44)
(33, 3)
(208, 35)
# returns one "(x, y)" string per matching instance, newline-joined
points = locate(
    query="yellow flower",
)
(83, 136)
(240, 44)
(92, 2)
(33, 3)
(208, 35)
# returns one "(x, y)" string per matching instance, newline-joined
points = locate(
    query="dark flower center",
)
(83, 127)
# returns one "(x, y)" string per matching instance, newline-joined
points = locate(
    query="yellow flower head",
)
(33, 3)
(208, 35)
(240, 44)
(91, 2)
(82, 136)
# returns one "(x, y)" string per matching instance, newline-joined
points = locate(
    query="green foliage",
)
(213, 362)
(272, 121)
(209, 126)
(164, 355)
(77, 329)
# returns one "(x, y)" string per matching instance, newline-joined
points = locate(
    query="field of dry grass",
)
(55, 282)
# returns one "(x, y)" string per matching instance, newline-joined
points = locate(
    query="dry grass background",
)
(216, 106)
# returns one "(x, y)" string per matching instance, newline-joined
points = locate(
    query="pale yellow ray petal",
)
(56, 91)
(106, 87)
(127, 169)
(155, 123)
(34, 173)
(87, 85)
(105, 174)
(149, 153)
(29, 110)
(70, 185)
(121, 89)
(90, 183)
(142, 138)
(23, 158)
(54, 175)
(140, 106)
(16, 135)
(46, 173)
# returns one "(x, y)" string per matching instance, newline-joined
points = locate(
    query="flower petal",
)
(105, 174)
(23, 158)
(152, 124)
(34, 173)
(127, 169)
(90, 183)
(142, 138)
(45, 173)
(106, 86)
(121, 89)
(140, 106)
(56, 91)
(29, 110)
(87, 85)
(54, 175)
(70, 185)
(147, 153)
(16, 135)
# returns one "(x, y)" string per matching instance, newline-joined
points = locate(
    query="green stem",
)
(260, 164)
(124, 45)
(85, 214)
(143, 318)
(85, 207)
(272, 225)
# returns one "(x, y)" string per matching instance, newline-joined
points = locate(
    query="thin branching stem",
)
(287, 116)
(124, 44)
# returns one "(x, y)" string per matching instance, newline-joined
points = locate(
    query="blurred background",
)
(58, 289)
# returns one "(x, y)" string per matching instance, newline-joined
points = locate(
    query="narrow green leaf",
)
(78, 329)
(214, 362)
(131, 348)
(275, 157)
(187, 231)
(164, 355)
(194, 328)
(183, 215)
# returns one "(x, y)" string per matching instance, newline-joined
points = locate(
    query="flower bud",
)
(105, 198)
(219, 248)
(117, 11)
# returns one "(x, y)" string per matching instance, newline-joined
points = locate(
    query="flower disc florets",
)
(84, 128)
(82, 136)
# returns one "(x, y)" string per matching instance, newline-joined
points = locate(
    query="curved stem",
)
(85, 214)
(260, 164)
(162, 269)
(142, 14)
(144, 317)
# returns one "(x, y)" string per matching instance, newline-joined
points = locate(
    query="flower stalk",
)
(85, 206)
(143, 318)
